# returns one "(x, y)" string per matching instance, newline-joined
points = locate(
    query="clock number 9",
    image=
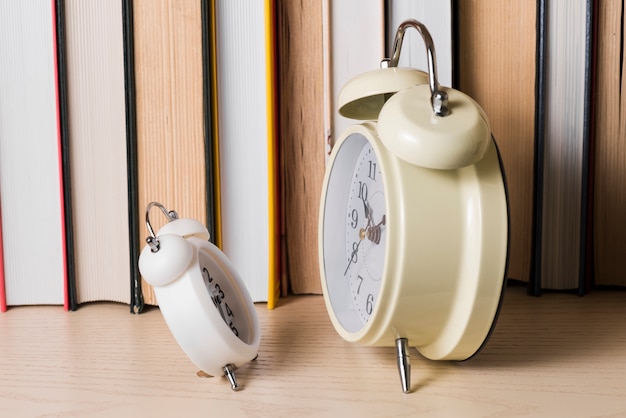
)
(354, 215)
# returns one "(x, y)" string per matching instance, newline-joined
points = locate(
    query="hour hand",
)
(368, 212)
(217, 302)
(366, 209)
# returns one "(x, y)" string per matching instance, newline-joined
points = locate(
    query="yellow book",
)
(248, 196)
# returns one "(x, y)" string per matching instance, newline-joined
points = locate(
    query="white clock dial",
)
(365, 237)
(225, 297)
(354, 232)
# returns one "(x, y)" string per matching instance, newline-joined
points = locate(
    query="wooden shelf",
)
(557, 355)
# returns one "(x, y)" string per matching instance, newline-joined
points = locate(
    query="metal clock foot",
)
(404, 363)
(229, 372)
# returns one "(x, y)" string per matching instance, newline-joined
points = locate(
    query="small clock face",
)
(355, 232)
(224, 296)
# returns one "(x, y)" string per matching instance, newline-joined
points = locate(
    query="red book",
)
(33, 215)
(3, 298)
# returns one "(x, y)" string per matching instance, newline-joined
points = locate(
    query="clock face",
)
(225, 296)
(355, 232)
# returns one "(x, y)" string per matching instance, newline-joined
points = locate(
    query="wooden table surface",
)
(557, 355)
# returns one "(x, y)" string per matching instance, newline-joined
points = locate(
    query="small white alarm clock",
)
(201, 296)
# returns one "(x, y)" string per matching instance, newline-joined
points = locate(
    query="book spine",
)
(3, 296)
(208, 86)
(273, 284)
(563, 146)
(136, 295)
(216, 233)
(60, 68)
(586, 201)
(534, 284)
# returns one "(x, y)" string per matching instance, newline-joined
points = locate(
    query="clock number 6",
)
(369, 305)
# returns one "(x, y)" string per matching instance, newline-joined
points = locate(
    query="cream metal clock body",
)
(201, 296)
(413, 232)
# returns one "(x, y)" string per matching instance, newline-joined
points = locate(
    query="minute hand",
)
(354, 256)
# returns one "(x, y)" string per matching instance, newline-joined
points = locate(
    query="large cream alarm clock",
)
(201, 296)
(413, 229)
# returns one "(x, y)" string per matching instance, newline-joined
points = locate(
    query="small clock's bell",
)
(167, 256)
(165, 265)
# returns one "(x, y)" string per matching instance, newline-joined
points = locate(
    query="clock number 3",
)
(218, 296)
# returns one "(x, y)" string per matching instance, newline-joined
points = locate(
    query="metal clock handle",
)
(152, 240)
(438, 98)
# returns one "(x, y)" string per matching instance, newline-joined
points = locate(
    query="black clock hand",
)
(368, 213)
(217, 301)
(374, 232)
(371, 231)
(355, 250)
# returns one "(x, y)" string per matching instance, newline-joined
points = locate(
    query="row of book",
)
(549, 76)
(223, 111)
(107, 106)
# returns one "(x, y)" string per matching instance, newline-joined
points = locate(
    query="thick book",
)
(562, 145)
(326, 46)
(169, 131)
(33, 225)
(609, 134)
(302, 133)
(96, 180)
(247, 143)
(495, 63)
